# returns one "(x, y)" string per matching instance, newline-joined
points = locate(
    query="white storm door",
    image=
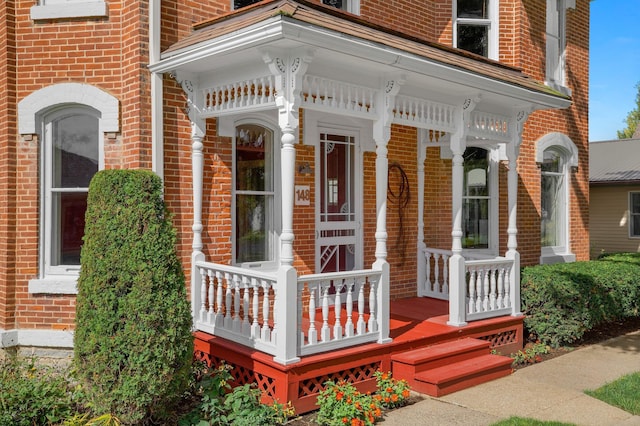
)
(338, 185)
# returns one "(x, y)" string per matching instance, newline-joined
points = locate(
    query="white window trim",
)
(352, 6)
(631, 236)
(493, 23)
(556, 44)
(562, 143)
(31, 111)
(56, 9)
(266, 266)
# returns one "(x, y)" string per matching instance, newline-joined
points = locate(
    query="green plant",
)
(341, 403)
(133, 342)
(623, 393)
(221, 406)
(563, 301)
(391, 393)
(31, 394)
(531, 354)
(520, 421)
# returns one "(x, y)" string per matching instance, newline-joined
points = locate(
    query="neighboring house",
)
(348, 179)
(614, 191)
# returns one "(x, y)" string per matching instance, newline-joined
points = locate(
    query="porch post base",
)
(457, 291)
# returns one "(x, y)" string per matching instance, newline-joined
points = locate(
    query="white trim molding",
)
(36, 338)
(54, 284)
(560, 140)
(72, 9)
(39, 101)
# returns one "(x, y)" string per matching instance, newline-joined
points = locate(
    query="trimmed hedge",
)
(133, 342)
(563, 301)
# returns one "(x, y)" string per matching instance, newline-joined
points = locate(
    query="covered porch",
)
(305, 65)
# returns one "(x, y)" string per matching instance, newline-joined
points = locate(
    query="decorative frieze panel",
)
(422, 113)
(336, 96)
(489, 126)
(255, 93)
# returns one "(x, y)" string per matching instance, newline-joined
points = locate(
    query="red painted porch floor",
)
(415, 324)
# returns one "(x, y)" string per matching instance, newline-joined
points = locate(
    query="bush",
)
(32, 395)
(133, 342)
(563, 301)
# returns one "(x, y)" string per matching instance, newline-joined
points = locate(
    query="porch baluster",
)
(246, 327)
(437, 285)
(203, 293)
(430, 285)
(373, 303)
(494, 291)
(325, 332)
(507, 287)
(313, 334)
(255, 326)
(445, 274)
(361, 327)
(485, 288)
(349, 305)
(219, 313)
(472, 290)
(337, 326)
(212, 285)
(266, 331)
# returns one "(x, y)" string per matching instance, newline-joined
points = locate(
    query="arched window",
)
(556, 155)
(71, 120)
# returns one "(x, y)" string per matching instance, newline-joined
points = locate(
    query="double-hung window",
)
(556, 43)
(553, 200)
(634, 214)
(255, 208)
(476, 199)
(352, 6)
(476, 26)
(71, 156)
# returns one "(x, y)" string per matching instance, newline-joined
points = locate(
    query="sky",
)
(614, 65)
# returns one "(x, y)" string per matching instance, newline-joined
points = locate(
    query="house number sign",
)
(303, 195)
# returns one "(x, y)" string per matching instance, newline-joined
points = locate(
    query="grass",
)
(520, 421)
(623, 393)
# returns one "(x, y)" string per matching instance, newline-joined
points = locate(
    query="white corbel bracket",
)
(390, 87)
(187, 82)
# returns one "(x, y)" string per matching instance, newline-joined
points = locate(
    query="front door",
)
(338, 246)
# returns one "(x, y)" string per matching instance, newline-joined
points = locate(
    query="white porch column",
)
(288, 69)
(513, 151)
(457, 276)
(423, 135)
(381, 135)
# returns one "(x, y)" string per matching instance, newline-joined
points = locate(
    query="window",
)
(352, 6)
(58, 9)
(634, 214)
(71, 120)
(254, 195)
(476, 26)
(476, 199)
(557, 155)
(556, 43)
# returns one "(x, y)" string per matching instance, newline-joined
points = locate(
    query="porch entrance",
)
(338, 186)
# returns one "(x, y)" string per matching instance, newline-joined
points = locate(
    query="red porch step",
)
(451, 366)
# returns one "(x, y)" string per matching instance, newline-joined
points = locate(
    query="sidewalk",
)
(551, 390)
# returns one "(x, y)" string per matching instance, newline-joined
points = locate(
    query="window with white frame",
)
(71, 155)
(255, 208)
(352, 6)
(476, 199)
(556, 43)
(59, 9)
(476, 26)
(556, 155)
(634, 214)
(71, 120)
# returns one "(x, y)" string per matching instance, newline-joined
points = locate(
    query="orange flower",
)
(378, 412)
(349, 400)
(372, 406)
(394, 397)
(384, 376)
(389, 390)
(357, 422)
(358, 406)
(345, 420)
(405, 393)
(387, 399)
(339, 396)
(379, 397)
(372, 419)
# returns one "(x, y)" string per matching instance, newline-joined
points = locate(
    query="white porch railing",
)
(487, 282)
(236, 304)
(332, 311)
(345, 298)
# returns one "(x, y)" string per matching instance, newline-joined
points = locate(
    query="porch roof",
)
(295, 23)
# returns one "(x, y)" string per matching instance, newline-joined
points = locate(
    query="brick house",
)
(349, 179)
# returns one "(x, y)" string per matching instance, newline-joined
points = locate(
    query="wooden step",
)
(411, 362)
(462, 374)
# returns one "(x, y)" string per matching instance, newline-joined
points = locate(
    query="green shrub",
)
(563, 301)
(133, 342)
(31, 394)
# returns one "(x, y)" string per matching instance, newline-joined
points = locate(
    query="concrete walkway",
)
(551, 390)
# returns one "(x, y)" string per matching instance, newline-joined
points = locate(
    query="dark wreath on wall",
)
(399, 194)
